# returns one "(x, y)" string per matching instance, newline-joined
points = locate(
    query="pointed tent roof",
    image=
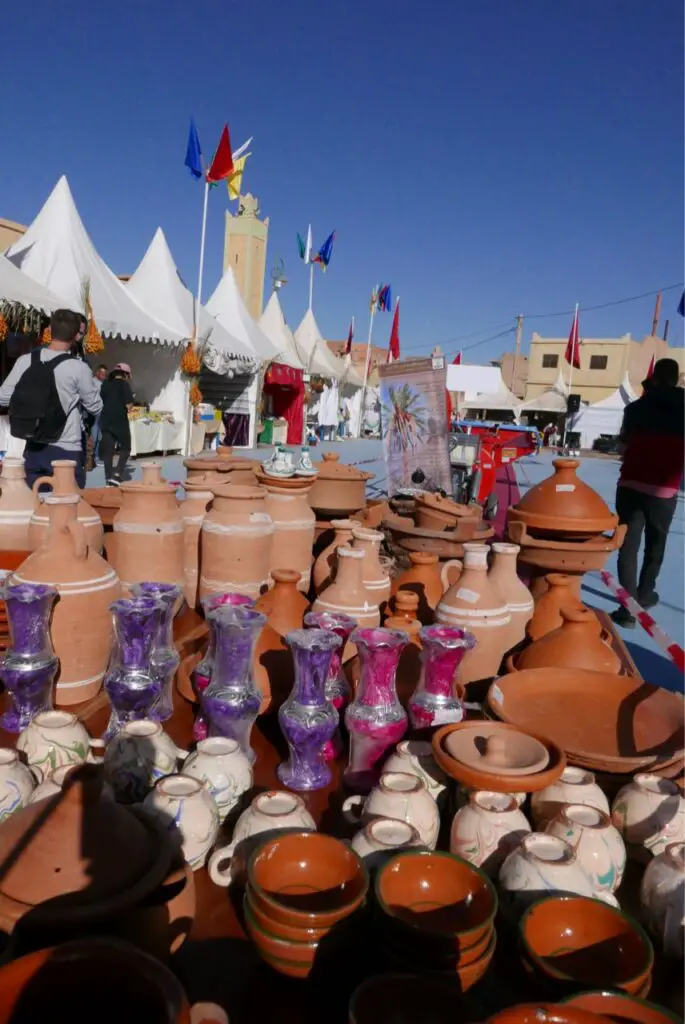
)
(227, 306)
(157, 285)
(500, 398)
(273, 323)
(551, 400)
(56, 252)
(16, 286)
(319, 358)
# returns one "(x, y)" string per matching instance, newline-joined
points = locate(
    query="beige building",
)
(378, 355)
(10, 232)
(245, 250)
(510, 367)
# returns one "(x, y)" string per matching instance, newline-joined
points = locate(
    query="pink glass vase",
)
(337, 688)
(435, 701)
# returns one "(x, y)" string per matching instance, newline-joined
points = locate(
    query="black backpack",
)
(36, 413)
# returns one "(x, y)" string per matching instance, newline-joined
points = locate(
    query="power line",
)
(463, 337)
(603, 305)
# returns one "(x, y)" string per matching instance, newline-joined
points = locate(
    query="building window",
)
(550, 362)
(598, 362)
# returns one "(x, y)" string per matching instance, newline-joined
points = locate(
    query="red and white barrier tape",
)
(674, 651)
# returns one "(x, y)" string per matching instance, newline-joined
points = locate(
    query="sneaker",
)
(650, 600)
(623, 618)
(281, 464)
(113, 482)
(304, 466)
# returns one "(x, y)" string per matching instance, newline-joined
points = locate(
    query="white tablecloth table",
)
(156, 436)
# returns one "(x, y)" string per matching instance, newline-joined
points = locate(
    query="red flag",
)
(457, 360)
(394, 346)
(572, 353)
(350, 335)
(222, 164)
(650, 371)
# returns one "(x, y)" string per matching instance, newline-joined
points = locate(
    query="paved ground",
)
(598, 473)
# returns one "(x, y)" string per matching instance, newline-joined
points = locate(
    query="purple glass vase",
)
(307, 719)
(29, 667)
(434, 701)
(337, 688)
(164, 659)
(130, 681)
(202, 675)
(231, 701)
(375, 719)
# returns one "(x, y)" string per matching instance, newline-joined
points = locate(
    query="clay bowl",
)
(389, 998)
(295, 959)
(307, 879)
(573, 940)
(466, 974)
(474, 778)
(602, 721)
(436, 899)
(618, 1006)
(260, 915)
(429, 956)
(554, 1013)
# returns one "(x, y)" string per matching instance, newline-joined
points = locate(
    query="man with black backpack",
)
(46, 392)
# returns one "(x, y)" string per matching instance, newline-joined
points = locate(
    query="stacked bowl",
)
(436, 913)
(301, 887)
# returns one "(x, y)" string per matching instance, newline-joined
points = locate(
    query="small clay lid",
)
(564, 502)
(330, 468)
(490, 749)
(442, 504)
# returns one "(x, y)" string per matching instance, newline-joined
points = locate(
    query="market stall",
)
(604, 417)
(284, 389)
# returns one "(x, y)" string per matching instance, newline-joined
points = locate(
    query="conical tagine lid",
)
(563, 503)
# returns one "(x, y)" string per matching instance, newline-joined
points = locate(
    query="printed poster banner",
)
(414, 424)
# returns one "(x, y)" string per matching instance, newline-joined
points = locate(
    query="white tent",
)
(16, 286)
(603, 417)
(500, 398)
(227, 306)
(272, 322)
(553, 400)
(56, 252)
(319, 358)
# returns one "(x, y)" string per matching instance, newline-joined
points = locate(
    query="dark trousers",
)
(642, 513)
(38, 459)
(109, 447)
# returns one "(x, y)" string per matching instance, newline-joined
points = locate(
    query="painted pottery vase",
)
(435, 701)
(404, 609)
(180, 802)
(473, 603)
(375, 719)
(131, 682)
(148, 532)
(596, 842)
(324, 566)
(308, 720)
(539, 866)
(337, 687)
(53, 739)
(347, 593)
(16, 783)
(402, 797)
(487, 829)
(375, 578)
(194, 508)
(547, 613)
(423, 579)
(577, 643)
(29, 667)
(235, 542)
(86, 585)
(63, 481)
(164, 659)
(287, 503)
(203, 672)
(415, 757)
(17, 504)
(662, 896)
(381, 838)
(574, 786)
(221, 763)
(649, 812)
(138, 756)
(231, 701)
(512, 590)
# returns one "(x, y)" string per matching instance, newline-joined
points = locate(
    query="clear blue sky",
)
(486, 157)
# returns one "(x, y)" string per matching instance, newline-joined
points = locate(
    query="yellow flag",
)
(235, 181)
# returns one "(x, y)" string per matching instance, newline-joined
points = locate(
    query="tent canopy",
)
(554, 399)
(603, 417)
(318, 357)
(499, 398)
(272, 322)
(16, 286)
(56, 252)
(226, 305)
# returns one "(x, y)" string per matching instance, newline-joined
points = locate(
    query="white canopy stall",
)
(321, 361)
(283, 392)
(498, 399)
(16, 286)
(603, 417)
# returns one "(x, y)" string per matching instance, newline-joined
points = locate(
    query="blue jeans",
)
(38, 459)
(95, 435)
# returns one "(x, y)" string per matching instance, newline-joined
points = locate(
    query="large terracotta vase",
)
(284, 607)
(577, 643)
(376, 579)
(404, 617)
(547, 613)
(473, 603)
(293, 538)
(193, 511)
(81, 628)
(16, 506)
(423, 579)
(63, 481)
(148, 532)
(324, 566)
(514, 593)
(347, 593)
(235, 542)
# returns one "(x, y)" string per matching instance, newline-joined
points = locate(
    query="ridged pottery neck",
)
(476, 557)
(64, 477)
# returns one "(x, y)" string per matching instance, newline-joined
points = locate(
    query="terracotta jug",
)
(148, 532)
(293, 537)
(577, 643)
(81, 628)
(193, 510)
(405, 617)
(547, 613)
(16, 506)
(473, 603)
(235, 542)
(284, 606)
(514, 593)
(324, 566)
(347, 593)
(376, 579)
(63, 481)
(423, 579)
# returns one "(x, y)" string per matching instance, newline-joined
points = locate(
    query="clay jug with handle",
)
(376, 579)
(193, 510)
(324, 567)
(547, 612)
(63, 481)
(148, 532)
(514, 593)
(16, 506)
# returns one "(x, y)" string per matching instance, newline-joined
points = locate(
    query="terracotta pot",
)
(574, 556)
(513, 592)
(193, 510)
(376, 579)
(474, 603)
(400, 796)
(563, 505)
(540, 1013)
(87, 585)
(577, 643)
(661, 896)
(596, 842)
(284, 606)
(222, 469)
(63, 481)
(347, 593)
(293, 538)
(547, 613)
(422, 579)
(574, 786)
(487, 830)
(435, 512)
(405, 610)
(618, 1006)
(148, 533)
(324, 566)
(235, 542)
(650, 814)
(16, 506)
(541, 864)
(338, 489)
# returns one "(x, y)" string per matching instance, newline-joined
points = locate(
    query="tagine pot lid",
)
(564, 503)
(330, 468)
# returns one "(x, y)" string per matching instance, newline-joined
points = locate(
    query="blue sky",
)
(486, 157)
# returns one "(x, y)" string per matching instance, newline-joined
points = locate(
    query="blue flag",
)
(193, 160)
(681, 305)
(324, 254)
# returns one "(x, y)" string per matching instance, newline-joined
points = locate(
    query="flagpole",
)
(360, 419)
(311, 283)
(196, 310)
(570, 372)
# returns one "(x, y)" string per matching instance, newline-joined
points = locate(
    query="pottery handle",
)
(181, 754)
(445, 573)
(39, 483)
(517, 532)
(352, 809)
(96, 751)
(78, 537)
(221, 875)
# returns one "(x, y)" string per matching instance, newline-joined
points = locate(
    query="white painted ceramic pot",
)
(220, 763)
(186, 804)
(381, 838)
(16, 783)
(415, 757)
(663, 899)
(650, 814)
(138, 756)
(596, 842)
(539, 866)
(53, 739)
(401, 796)
(574, 786)
(487, 829)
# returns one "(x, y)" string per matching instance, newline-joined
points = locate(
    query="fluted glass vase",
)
(231, 701)
(435, 700)
(308, 719)
(29, 667)
(131, 683)
(375, 719)
(338, 689)
(202, 676)
(164, 659)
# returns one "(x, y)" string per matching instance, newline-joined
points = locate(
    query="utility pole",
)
(517, 351)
